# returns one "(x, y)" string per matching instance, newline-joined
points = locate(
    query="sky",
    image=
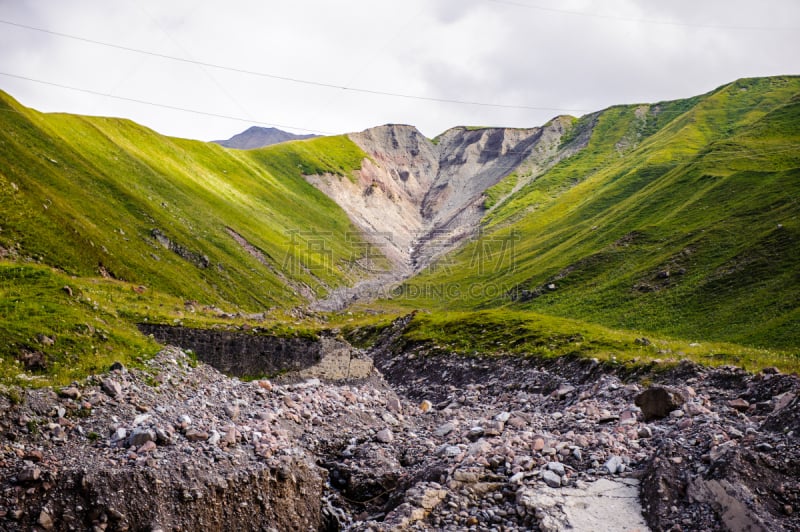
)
(209, 69)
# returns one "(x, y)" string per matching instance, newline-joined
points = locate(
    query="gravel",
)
(433, 442)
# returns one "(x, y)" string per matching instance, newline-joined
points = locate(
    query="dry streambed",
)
(428, 442)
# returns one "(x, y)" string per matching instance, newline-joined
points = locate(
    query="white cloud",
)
(476, 50)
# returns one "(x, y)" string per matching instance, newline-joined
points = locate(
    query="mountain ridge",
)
(594, 211)
(591, 243)
(259, 137)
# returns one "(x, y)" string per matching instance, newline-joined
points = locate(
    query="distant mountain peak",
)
(258, 137)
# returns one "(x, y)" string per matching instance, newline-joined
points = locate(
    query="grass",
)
(195, 194)
(140, 225)
(503, 332)
(702, 190)
(74, 335)
(676, 221)
(498, 192)
(81, 326)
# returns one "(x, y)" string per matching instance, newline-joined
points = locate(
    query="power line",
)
(642, 20)
(697, 157)
(291, 79)
(163, 105)
(246, 120)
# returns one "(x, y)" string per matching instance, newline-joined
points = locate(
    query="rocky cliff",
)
(417, 198)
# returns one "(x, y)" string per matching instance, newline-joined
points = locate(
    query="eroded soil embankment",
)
(254, 354)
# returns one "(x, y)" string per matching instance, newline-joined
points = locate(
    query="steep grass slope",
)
(161, 224)
(679, 218)
(107, 197)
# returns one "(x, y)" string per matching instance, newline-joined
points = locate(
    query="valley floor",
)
(427, 442)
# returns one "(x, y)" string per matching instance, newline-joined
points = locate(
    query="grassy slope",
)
(83, 195)
(696, 188)
(89, 191)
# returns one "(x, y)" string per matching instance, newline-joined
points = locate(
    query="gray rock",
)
(112, 387)
(475, 433)
(564, 391)
(385, 436)
(232, 411)
(614, 465)
(138, 420)
(444, 430)
(503, 417)
(517, 478)
(557, 468)
(163, 436)
(451, 450)
(551, 479)
(139, 436)
(393, 405)
(119, 434)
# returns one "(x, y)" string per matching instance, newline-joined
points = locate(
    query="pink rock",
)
(147, 447)
(739, 404)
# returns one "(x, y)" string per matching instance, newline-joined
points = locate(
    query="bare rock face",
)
(416, 199)
(412, 189)
(384, 198)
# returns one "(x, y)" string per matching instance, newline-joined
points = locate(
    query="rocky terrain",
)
(425, 441)
(416, 199)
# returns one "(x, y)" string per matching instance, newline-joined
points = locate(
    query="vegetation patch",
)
(501, 332)
(688, 232)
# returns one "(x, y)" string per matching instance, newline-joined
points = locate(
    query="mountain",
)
(419, 189)
(545, 288)
(679, 218)
(641, 231)
(100, 196)
(134, 225)
(258, 137)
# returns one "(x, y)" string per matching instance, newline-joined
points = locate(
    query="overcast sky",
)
(525, 60)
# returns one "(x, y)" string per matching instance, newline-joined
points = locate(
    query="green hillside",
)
(107, 197)
(168, 219)
(670, 230)
(679, 219)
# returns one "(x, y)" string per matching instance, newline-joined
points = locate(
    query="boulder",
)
(657, 402)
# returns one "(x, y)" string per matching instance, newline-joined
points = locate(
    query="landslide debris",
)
(428, 441)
